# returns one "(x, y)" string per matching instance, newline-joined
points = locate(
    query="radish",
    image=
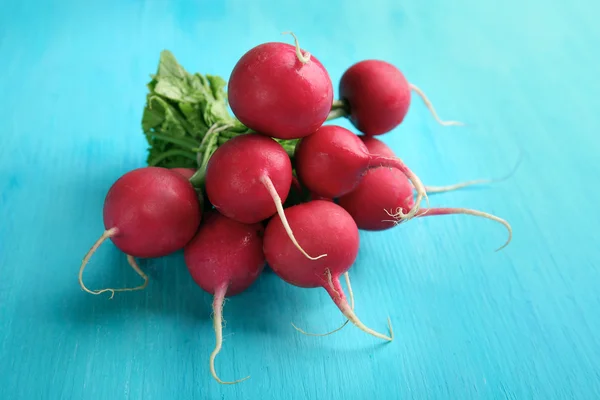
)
(332, 161)
(324, 227)
(377, 97)
(248, 178)
(187, 173)
(224, 259)
(148, 212)
(281, 91)
(382, 189)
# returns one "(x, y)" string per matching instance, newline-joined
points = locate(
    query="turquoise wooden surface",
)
(469, 323)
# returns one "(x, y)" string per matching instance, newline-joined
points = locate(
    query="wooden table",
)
(469, 323)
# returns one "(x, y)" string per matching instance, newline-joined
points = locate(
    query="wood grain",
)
(469, 323)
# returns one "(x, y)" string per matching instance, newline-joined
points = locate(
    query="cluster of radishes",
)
(354, 182)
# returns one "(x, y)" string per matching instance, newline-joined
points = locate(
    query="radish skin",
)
(280, 91)
(148, 212)
(248, 178)
(377, 97)
(324, 227)
(224, 259)
(332, 161)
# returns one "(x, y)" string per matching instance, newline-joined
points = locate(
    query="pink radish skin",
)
(224, 259)
(148, 212)
(383, 195)
(378, 97)
(236, 173)
(248, 178)
(187, 173)
(332, 161)
(323, 227)
(379, 190)
(278, 90)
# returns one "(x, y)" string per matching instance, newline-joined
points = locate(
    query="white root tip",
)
(303, 58)
(349, 313)
(266, 181)
(431, 109)
(421, 194)
(354, 319)
(350, 294)
(466, 211)
(130, 259)
(218, 326)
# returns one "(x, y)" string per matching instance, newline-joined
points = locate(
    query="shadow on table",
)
(267, 306)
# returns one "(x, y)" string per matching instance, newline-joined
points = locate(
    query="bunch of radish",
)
(237, 218)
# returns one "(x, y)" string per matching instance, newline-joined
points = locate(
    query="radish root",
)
(395, 162)
(460, 185)
(350, 294)
(431, 109)
(218, 325)
(303, 58)
(266, 181)
(130, 259)
(465, 211)
(344, 307)
(456, 186)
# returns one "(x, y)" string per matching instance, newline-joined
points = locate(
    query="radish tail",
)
(460, 185)
(456, 186)
(351, 295)
(303, 58)
(106, 235)
(337, 294)
(218, 325)
(427, 212)
(377, 161)
(277, 200)
(431, 109)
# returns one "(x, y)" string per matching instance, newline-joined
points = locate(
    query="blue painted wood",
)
(469, 323)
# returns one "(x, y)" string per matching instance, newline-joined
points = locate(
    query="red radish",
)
(148, 212)
(384, 193)
(324, 227)
(248, 178)
(377, 96)
(224, 259)
(280, 91)
(332, 161)
(351, 295)
(187, 173)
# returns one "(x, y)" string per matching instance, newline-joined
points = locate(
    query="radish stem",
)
(130, 259)
(218, 325)
(336, 113)
(431, 109)
(266, 181)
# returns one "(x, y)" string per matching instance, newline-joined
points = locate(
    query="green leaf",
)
(180, 109)
(217, 86)
(152, 118)
(169, 67)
